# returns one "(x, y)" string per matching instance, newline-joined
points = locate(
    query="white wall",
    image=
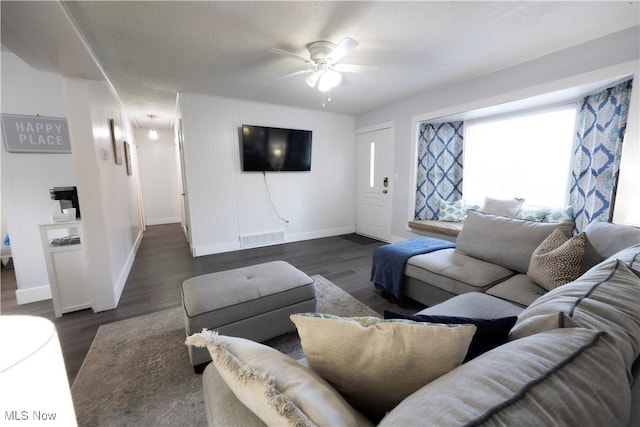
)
(27, 177)
(225, 203)
(158, 177)
(109, 197)
(612, 56)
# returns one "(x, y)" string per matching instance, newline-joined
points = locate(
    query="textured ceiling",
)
(151, 50)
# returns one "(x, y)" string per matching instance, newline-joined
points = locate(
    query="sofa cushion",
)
(490, 333)
(376, 363)
(557, 260)
(568, 377)
(276, 388)
(455, 272)
(508, 242)
(519, 289)
(608, 238)
(503, 207)
(591, 256)
(474, 304)
(603, 299)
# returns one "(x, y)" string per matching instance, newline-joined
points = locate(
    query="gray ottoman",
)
(251, 302)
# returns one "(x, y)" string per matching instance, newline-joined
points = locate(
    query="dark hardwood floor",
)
(163, 261)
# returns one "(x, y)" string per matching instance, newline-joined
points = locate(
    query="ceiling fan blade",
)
(345, 46)
(354, 68)
(296, 73)
(312, 79)
(292, 55)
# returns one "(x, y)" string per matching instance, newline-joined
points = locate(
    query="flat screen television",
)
(267, 149)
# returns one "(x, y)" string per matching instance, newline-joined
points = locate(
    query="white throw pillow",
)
(506, 207)
(276, 388)
(376, 363)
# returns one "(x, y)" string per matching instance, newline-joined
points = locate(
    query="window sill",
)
(436, 226)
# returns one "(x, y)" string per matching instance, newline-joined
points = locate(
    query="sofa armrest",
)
(634, 419)
(222, 406)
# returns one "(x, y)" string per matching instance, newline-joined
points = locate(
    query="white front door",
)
(375, 161)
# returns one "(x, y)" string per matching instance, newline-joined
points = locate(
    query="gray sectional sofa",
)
(492, 255)
(571, 359)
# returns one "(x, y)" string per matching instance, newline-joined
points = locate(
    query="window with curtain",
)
(602, 123)
(528, 156)
(439, 172)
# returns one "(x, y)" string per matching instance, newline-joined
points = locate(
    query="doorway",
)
(374, 188)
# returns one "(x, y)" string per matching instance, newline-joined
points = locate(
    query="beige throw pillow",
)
(557, 260)
(376, 363)
(279, 390)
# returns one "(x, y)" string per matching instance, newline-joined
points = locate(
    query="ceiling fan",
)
(324, 68)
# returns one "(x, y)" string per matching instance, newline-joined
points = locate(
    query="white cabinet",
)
(64, 251)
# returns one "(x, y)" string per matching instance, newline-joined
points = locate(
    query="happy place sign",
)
(35, 134)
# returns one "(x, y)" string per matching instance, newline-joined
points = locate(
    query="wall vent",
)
(258, 239)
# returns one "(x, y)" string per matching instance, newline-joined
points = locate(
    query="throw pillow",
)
(533, 214)
(279, 390)
(609, 238)
(557, 260)
(508, 207)
(490, 333)
(560, 215)
(376, 363)
(452, 211)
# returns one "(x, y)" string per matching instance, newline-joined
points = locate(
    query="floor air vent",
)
(247, 240)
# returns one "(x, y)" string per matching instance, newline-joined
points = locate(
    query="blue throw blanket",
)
(387, 270)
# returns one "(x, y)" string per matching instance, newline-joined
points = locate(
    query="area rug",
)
(137, 371)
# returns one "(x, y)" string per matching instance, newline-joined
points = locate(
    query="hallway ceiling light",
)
(152, 132)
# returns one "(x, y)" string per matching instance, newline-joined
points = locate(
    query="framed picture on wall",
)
(127, 158)
(117, 151)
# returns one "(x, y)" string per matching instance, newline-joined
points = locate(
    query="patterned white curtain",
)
(602, 122)
(439, 174)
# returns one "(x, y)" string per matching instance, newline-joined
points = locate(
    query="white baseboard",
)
(122, 280)
(38, 293)
(218, 248)
(160, 221)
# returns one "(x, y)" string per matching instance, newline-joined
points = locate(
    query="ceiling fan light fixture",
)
(328, 80)
(312, 78)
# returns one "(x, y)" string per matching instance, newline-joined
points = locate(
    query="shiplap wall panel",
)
(226, 203)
